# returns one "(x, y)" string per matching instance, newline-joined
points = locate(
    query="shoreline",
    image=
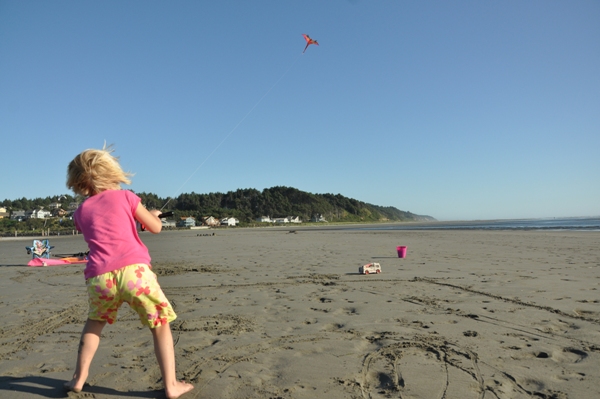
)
(588, 223)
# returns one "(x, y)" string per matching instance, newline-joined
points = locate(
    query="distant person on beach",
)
(118, 268)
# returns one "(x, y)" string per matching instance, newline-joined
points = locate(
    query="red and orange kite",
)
(309, 41)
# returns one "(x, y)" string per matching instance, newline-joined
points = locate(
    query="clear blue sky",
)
(458, 110)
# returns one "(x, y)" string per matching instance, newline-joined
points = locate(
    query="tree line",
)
(249, 204)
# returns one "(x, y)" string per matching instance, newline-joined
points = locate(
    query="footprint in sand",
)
(333, 327)
(569, 355)
(80, 395)
(221, 324)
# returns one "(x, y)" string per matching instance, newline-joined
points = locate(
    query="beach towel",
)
(54, 262)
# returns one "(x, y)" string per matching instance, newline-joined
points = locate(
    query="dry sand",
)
(265, 313)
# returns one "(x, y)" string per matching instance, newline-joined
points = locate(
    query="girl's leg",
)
(90, 339)
(165, 355)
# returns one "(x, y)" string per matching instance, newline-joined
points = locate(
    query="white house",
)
(229, 221)
(264, 219)
(281, 220)
(167, 223)
(294, 219)
(38, 214)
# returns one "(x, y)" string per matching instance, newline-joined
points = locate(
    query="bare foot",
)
(179, 388)
(73, 386)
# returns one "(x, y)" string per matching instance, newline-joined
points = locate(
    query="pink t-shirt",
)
(107, 221)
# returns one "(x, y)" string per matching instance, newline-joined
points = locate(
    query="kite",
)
(309, 41)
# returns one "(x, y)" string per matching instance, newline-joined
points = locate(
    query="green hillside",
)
(249, 204)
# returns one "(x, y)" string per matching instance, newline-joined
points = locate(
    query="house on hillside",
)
(54, 205)
(264, 219)
(187, 221)
(59, 212)
(294, 219)
(19, 216)
(38, 214)
(229, 221)
(3, 213)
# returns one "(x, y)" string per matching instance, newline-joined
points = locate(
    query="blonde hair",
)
(94, 171)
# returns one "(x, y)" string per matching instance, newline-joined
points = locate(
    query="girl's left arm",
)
(148, 219)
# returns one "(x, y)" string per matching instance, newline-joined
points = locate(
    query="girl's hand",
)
(148, 219)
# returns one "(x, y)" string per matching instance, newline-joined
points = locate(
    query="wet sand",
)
(265, 313)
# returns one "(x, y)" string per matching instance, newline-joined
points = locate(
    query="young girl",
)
(118, 268)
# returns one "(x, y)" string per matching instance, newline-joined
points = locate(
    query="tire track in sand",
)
(18, 338)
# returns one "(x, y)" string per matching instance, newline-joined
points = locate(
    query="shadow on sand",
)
(54, 388)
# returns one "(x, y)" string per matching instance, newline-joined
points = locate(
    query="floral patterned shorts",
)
(135, 284)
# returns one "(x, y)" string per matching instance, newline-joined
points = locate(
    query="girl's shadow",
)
(54, 388)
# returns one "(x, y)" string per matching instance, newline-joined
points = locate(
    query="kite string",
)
(231, 132)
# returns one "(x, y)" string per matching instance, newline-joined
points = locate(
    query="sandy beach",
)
(269, 313)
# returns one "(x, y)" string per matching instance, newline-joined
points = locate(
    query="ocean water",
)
(580, 223)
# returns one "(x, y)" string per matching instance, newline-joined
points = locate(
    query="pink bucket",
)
(401, 252)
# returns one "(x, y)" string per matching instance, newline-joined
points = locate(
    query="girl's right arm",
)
(148, 219)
